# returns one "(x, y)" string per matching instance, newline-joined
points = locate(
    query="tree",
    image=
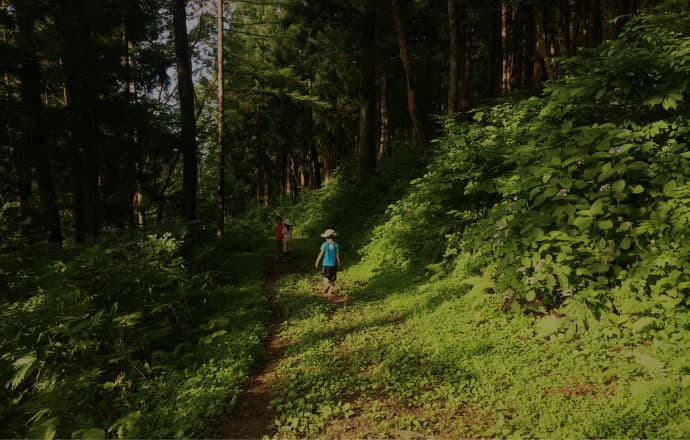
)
(367, 91)
(453, 54)
(220, 226)
(415, 115)
(185, 89)
(33, 135)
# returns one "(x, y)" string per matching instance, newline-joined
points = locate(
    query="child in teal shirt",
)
(331, 261)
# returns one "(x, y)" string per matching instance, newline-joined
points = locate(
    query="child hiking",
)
(287, 240)
(279, 237)
(331, 261)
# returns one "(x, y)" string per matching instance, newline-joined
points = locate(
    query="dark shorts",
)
(279, 245)
(329, 273)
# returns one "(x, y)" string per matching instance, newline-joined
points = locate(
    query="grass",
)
(406, 358)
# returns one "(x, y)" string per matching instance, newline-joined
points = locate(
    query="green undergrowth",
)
(533, 281)
(127, 338)
(444, 359)
(351, 205)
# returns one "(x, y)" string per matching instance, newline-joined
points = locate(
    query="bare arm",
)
(337, 257)
(318, 259)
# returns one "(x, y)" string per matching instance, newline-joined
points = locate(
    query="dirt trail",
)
(252, 418)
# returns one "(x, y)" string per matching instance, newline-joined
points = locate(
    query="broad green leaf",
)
(596, 208)
(626, 243)
(44, 430)
(619, 186)
(566, 182)
(669, 103)
(637, 189)
(605, 224)
(582, 222)
(531, 296)
(669, 188)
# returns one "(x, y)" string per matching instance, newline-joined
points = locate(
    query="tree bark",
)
(220, 226)
(562, 18)
(505, 51)
(542, 60)
(77, 53)
(186, 94)
(138, 208)
(384, 122)
(315, 166)
(453, 54)
(595, 25)
(610, 29)
(466, 73)
(330, 155)
(34, 136)
(415, 115)
(494, 72)
(367, 93)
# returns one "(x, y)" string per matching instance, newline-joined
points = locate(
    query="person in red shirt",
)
(279, 236)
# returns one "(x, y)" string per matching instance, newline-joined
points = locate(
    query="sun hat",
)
(328, 233)
(287, 222)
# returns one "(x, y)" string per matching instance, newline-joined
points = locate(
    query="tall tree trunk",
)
(266, 184)
(528, 45)
(186, 93)
(417, 121)
(138, 209)
(77, 51)
(505, 51)
(34, 135)
(595, 25)
(453, 55)
(494, 68)
(610, 29)
(466, 73)
(515, 39)
(562, 11)
(384, 121)
(543, 69)
(315, 166)
(220, 226)
(167, 179)
(367, 93)
(330, 155)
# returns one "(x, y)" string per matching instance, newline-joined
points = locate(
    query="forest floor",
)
(252, 417)
(397, 356)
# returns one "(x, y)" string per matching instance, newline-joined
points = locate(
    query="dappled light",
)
(356, 219)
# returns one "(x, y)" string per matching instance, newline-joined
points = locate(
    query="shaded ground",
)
(251, 418)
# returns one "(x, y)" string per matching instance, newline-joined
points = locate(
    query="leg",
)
(327, 286)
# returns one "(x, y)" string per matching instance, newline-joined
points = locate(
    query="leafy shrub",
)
(120, 337)
(578, 198)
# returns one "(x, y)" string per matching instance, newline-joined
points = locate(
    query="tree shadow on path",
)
(251, 416)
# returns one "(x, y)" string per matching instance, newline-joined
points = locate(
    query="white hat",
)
(288, 222)
(328, 233)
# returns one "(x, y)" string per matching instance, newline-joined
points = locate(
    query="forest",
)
(504, 181)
